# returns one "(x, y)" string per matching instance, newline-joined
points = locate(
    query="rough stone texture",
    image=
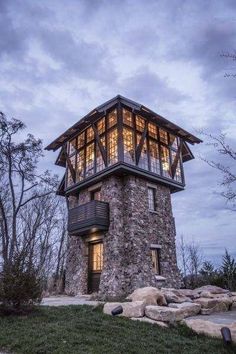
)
(233, 307)
(209, 328)
(151, 296)
(164, 314)
(130, 309)
(133, 228)
(174, 295)
(212, 289)
(209, 306)
(148, 320)
(188, 309)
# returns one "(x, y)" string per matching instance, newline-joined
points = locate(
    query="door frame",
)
(90, 271)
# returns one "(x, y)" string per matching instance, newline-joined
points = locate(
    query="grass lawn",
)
(80, 329)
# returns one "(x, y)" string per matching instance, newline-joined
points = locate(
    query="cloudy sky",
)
(60, 59)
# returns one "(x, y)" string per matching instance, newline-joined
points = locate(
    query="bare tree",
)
(228, 172)
(21, 188)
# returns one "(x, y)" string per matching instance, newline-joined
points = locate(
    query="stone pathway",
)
(69, 300)
(225, 318)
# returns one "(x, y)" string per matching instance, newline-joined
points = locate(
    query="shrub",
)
(20, 287)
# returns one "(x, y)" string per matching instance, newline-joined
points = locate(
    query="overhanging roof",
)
(136, 107)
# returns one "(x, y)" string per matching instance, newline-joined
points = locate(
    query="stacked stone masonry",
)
(133, 229)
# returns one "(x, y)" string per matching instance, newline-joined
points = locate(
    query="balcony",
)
(90, 217)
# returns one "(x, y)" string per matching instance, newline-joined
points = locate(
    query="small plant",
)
(20, 287)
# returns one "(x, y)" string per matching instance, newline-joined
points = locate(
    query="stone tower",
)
(122, 162)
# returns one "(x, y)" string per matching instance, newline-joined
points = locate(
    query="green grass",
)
(80, 329)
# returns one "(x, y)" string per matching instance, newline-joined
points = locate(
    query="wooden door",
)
(95, 266)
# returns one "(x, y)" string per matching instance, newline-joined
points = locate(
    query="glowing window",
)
(129, 151)
(89, 160)
(72, 146)
(81, 140)
(80, 166)
(112, 147)
(173, 141)
(154, 156)
(140, 123)
(101, 126)
(165, 160)
(178, 175)
(127, 117)
(112, 118)
(163, 136)
(97, 257)
(69, 175)
(99, 158)
(143, 160)
(90, 134)
(152, 130)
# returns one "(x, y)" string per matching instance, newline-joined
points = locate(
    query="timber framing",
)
(138, 108)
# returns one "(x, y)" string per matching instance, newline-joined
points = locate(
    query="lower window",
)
(156, 260)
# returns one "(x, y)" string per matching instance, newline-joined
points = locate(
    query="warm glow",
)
(128, 138)
(97, 257)
(112, 147)
(165, 159)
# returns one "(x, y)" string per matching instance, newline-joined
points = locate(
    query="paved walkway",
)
(68, 300)
(220, 317)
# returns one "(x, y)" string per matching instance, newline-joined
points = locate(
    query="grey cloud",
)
(145, 81)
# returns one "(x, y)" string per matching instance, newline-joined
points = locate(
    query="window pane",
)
(72, 146)
(178, 175)
(140, 123)
(127, 117)
(97, 260)
(128, 137)
(152, 130)
(89, 160)
(143, 160)
(151, 199)
(81, 140)
(100, 162)
(155, 261)
(101, 126)
(163, 136)
(80, 166)
(112, 148)
(90, 134)
(173, 141)
(96, 195)
(165, 159)
(69, 176)
(112, 118)
(154, 156)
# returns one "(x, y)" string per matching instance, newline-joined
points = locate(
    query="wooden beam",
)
(71, 168)
(101, 147)
(176, 160)
(140, 145)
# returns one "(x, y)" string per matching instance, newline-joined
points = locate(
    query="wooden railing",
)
(88, 217)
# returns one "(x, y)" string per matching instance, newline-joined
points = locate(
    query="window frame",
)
(153, 207)
(155, 255)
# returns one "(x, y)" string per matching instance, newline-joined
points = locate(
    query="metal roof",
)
(136, 107)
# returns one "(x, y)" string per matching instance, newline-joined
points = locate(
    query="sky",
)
(60, 59)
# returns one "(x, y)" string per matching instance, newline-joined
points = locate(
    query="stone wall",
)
(133, 228)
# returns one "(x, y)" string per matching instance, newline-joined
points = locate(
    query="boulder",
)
(162, 313)
(149, 294)
(130, 309)
(187, 308)
(212, 289)
(148, 320)
(209, 306)
(233, 298)
(188, 293)
(173, 295)
(209, 328)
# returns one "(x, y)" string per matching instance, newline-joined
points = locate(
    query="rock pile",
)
(168, 305)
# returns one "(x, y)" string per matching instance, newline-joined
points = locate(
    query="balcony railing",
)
(89, 217)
